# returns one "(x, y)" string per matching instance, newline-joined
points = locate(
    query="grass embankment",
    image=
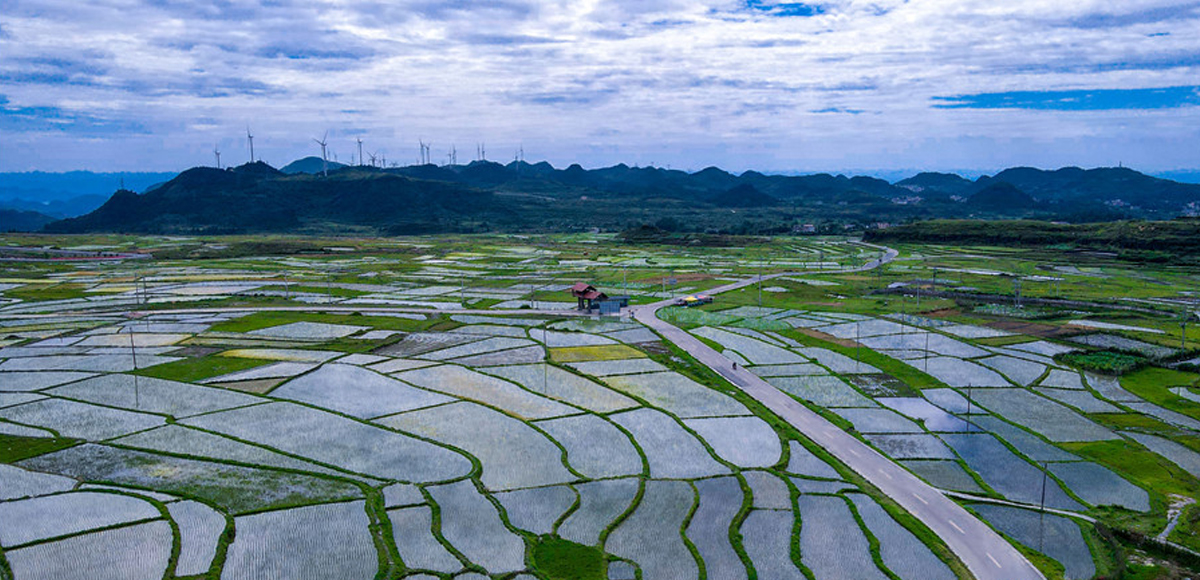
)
(1132, 421)
(14, 448)
(591, 353)
(1105, 362)
(1154, 384)
(337, 291)
(197, 369)
(42, 292)
(905, 373)
(1137, 464)
(260, 320)
(560, 559)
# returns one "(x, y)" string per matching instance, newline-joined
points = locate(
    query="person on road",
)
(735, 366)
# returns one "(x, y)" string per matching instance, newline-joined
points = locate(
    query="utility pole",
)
(969, 407)
(857, 344)
(137, 400)
(1183, 321)
(1042, 519)
(760, 282)
(927, 351)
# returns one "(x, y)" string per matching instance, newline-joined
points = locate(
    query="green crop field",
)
(435, 405)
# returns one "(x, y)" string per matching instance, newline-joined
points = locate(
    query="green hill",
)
(1146, 239)
(519, 196)
(13, 220)
(310, 165)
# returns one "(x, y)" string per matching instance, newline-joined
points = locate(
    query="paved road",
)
(366, 310)
(985, 553)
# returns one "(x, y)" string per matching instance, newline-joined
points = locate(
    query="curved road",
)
(982, 550)
(985, 553)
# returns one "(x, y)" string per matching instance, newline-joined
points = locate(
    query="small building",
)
(592, 299)
(613, 305)
(587, 295)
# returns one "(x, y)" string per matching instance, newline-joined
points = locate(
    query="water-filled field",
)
(426, 410)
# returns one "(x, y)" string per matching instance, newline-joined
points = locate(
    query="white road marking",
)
(989, 555)
(919, 498)
(852, 451)
(884, 473)
(960, 530)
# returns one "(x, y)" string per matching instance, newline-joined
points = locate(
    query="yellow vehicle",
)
(694, 300)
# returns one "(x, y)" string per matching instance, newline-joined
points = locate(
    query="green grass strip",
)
(14, 448)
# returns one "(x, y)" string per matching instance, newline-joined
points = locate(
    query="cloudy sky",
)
(843, 84)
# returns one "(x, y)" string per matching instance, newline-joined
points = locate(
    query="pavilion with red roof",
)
(587, 295)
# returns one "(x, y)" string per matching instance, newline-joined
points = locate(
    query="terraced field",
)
(371, 463)
(439, 414)
(998, 422)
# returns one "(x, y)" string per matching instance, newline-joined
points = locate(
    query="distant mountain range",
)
(1054, 190)
(488, 196)
(54, 196)
(12, 220)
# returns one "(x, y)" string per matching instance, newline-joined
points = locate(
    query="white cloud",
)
(677, 82)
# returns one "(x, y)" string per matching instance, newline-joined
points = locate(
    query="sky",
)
(969, 85)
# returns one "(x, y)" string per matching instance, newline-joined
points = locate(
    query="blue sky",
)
(773, 86)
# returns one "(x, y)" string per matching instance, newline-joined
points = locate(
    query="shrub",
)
(1106, 362)
(560, 559)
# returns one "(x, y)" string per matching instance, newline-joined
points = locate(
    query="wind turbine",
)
(217, 152)
(373, 157)
(250, 138)
(360, 157)
(324, 159)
